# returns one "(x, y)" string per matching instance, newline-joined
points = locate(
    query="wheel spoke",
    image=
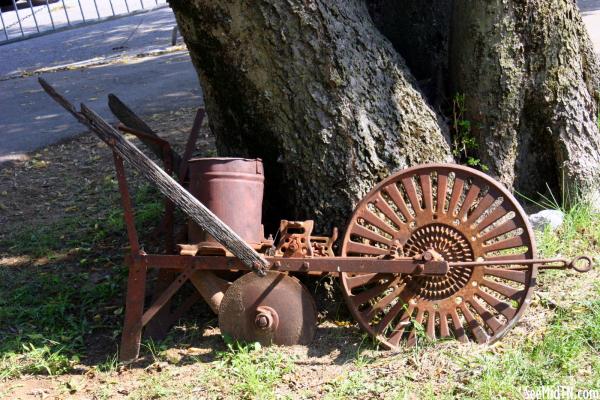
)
(444, 329)
(482, 207)
(417, 322)
(431, 325)
(507, 257)
(504, 290)
(492, 217)
(501, 229)
(490, 320)
(383, 206)
(469, 199)
(425, 180)
(501, 306)
(371, 293)
(377, 222)
(457, 190)
(442, 188)
(381, 304)
(510, 243)
(366, 233)
(511, 275)
(389, 317)
(411, 192)
(459, 330)
(364, 279)
(480, 335)
(365, 249)
(394, 193)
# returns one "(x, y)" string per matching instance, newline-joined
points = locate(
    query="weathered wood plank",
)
(130, 119)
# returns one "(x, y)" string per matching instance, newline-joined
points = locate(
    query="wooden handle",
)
(191, 206)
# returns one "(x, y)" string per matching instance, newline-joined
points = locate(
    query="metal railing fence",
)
(22, 19)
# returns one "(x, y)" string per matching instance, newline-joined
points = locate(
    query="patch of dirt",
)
(67, 180)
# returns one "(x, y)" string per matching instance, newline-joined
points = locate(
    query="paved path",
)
(590, 10)
(163, 80)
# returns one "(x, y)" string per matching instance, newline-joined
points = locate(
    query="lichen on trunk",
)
(530, 79)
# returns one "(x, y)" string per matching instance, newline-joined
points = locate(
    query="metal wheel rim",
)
(476, 319)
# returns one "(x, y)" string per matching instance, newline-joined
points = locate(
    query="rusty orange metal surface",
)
(232, 188)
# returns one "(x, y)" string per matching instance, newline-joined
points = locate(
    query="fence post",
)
(18, 17)
(3, 25)
(50, 14)
(37, 27)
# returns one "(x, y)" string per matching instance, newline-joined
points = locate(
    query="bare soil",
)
(66, 180)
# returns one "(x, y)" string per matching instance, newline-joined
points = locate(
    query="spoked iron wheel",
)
(462, 214)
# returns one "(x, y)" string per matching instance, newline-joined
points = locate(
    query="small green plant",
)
(348, 386)
(254, 372)
(46, 359)
(155, 350)
(464, 143)
(110, 364)
(155, 386)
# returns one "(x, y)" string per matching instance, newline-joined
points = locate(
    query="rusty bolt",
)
(263, 320)
(427, 256)
(419, 270)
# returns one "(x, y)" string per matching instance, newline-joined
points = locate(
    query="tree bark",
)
(322, 92)
(530, 79)
(420, 31)
(316, 91)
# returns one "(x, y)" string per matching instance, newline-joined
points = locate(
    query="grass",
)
(52, 313)
(568, 355)
(252, 371)
(71, 291)
(46, 317)
(579, 233)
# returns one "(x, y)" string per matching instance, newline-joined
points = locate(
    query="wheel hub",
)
(452, 245)
(274, 309)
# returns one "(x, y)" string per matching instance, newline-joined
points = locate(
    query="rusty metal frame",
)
(139, 263)
(162, 318)
(176, 270)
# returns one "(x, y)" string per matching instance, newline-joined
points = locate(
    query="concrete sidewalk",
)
(131, 57)
(120, 37)
(590, 10)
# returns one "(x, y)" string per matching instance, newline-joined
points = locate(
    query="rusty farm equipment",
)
(438, 247)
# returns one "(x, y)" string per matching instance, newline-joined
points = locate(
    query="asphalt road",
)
(130, 57)
(590, 9)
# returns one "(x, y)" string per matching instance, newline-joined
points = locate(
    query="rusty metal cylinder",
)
(232, 188)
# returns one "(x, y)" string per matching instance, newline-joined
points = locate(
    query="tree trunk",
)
(530, 79)
(321, 91)
(317, 92)
(420, 31)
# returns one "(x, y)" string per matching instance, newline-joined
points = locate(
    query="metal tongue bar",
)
(579, 263)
